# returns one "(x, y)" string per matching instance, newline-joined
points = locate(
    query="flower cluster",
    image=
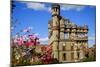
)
(27, 40)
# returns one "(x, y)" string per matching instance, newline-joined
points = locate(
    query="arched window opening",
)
(64, 56)
(65, 35)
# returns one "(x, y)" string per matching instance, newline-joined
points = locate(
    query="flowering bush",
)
(24, 51)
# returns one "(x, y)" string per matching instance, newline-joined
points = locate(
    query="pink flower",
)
(24, 37)
(28, 43)
(31, 36)
(20, 41)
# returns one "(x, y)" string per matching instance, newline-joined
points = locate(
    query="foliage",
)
(88, 59)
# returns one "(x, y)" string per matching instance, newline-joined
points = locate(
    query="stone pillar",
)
(81, 55)
(86, 44)
(55, 44)
(75, 52)
(68, 56)
(61, 35)
(69, 35)
(61, 57)
(68, 50)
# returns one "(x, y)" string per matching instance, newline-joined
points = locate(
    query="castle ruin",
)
(66, 38)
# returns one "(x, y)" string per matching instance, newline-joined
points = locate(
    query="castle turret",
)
(55, 10)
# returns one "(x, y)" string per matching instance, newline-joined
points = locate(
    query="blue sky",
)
(36, 15)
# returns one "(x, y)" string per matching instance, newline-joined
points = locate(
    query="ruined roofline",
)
(71, 23)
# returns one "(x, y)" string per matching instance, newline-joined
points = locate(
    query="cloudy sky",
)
(36, 16)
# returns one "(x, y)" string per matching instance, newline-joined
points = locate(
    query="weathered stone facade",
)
(67, 39)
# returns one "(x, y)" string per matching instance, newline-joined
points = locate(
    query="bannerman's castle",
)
(66, 38)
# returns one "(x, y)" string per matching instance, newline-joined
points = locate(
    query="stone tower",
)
(67, 39)
(54, 40)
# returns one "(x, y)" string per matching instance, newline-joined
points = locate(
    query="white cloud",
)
(36, 34)
(43, 39)
(91, 38)
(36, 6)
(72, 7)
